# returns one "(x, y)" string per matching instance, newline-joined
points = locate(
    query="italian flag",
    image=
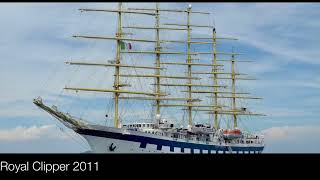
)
(125, 45)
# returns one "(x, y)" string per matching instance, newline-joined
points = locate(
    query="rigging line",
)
(244, 126)
(84, 141)
(110, 103)
(133, 71)
(73, 137)
(183, 117)
(241, 123)
(108, 107)
(144, 104)
(56, 101)
(166, 89)
(123, 110)
(101, 86)
(47, 80)
(225, 120)
(77, 99)
(139, 84)
(58, 97)
(196, 112)
(94, 94)
(61, 128)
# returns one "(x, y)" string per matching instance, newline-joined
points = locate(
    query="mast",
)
(189, 66)
(117, 69)
(233, 90)
(157, 49)
(215, 80)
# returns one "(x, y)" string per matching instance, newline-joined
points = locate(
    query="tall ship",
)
(194, 84)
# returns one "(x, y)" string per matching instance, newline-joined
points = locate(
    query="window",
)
(143, 125)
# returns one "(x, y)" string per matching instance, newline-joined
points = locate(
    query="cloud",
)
(256, 24)
(292, 139)
(20, 133)
(40, 139)
(291, 132)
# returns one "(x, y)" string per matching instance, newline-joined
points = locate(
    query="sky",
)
(282, 40)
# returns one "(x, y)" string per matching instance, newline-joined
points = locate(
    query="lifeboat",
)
(232, 133)
(202, 128)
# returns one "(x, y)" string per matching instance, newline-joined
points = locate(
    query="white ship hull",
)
(103, 139)
(113, 140)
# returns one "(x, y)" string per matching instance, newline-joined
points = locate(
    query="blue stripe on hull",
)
(162, 142)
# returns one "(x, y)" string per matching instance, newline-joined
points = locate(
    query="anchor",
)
(111, 147)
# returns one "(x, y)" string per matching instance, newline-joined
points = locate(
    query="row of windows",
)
(238, 141)
(208, 151)
(153, 132)
(139, 125)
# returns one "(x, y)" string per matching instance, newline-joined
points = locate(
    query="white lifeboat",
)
(202, 128)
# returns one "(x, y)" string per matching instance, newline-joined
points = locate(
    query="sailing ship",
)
(161, 135)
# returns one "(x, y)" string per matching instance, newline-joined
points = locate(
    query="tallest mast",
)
(117, 69)
(189, 67)
(215, 78)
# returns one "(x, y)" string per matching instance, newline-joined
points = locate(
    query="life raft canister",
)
(232, 131)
